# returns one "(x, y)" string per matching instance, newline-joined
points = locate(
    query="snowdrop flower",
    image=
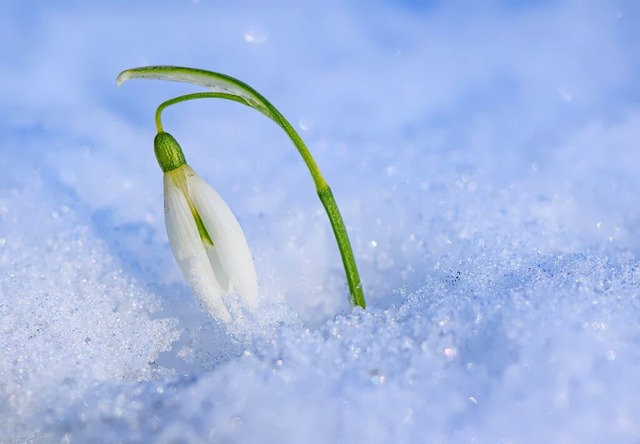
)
(205, 236)
(197, 218)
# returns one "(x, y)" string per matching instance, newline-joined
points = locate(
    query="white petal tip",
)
(250, 296)
(219, 312)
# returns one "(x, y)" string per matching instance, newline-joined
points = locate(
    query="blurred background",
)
(397, 99)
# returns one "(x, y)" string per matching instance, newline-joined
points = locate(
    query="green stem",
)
(349, 262)
(226, 87)
(187, 97)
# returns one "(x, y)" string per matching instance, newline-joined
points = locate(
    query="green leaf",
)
(214, 81)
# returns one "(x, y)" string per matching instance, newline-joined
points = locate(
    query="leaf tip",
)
(123, 77)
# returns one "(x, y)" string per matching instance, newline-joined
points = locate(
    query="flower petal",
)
(221, 275)
(189, 251)
(228, 239)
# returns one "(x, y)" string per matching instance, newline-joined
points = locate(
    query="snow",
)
(485, 159)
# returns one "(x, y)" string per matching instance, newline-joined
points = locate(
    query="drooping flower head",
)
(205, 237)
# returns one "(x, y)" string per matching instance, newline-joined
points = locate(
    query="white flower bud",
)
(207, 242)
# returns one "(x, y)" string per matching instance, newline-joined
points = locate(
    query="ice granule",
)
(524, 356)
(70, 317)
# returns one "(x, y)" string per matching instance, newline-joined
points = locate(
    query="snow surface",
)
(485, 158)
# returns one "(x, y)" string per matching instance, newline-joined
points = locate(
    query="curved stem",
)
(193, 96)
(226, 87)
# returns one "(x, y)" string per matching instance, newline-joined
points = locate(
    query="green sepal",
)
(168, 152)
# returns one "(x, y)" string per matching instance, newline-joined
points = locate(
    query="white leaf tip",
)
(123, 77)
